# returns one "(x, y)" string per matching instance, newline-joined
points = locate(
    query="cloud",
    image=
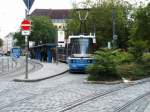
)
(12, 12)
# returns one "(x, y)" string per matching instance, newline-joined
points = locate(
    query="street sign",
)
(28, 3)
(25, 25)
(25, 32)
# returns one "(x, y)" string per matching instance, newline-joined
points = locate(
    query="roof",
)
(43, 45)
(52, 13)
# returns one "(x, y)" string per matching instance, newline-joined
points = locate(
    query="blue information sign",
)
(28, 3)
(15, 52)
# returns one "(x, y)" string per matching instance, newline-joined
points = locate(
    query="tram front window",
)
(81, 47)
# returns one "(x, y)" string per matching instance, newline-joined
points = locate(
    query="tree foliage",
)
(73, 24)
(42, 32)
(100, 17)
(20, 39)
(137, 48)
(141, 26)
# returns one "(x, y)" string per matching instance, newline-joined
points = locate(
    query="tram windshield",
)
(81, 47)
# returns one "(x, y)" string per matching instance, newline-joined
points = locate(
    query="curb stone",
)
(117, 82)
(103, 82)
(40, 79)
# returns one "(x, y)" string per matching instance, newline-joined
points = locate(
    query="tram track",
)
(21, 70)
(13, 70)
(32, 96)
(78, 102)
(91, 97)
(3, 72)
(131, 102)
(19, 87)
(36, 66)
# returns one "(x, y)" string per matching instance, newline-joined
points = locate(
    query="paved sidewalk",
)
(147, 108)
(47, 71)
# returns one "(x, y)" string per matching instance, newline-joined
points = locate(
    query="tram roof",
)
(43, 45)
(83, 36)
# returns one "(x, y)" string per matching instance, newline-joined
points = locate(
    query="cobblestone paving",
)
(19, 70)
(6, 68)
(111, 102)
(141, 105)
(54, 94)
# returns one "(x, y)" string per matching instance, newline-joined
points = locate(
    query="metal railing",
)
(7, 64)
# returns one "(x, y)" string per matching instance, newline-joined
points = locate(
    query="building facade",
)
(58, 18)
(8, 43)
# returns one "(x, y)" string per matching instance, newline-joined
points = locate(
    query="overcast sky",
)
(12, 12)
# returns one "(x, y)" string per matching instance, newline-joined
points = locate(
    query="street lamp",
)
(114, 36)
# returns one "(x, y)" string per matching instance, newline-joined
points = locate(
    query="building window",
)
(55, 26)
(59, 27)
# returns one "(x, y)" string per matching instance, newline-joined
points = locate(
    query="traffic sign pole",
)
(26, 40)
(26, 30)
(28, 3)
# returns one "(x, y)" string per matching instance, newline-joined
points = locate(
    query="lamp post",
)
(114, 36)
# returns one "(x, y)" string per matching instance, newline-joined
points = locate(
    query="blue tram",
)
(81, 48)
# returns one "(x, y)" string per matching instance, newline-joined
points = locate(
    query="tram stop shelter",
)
(43, 52)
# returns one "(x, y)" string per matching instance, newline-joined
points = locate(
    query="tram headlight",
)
(89, 61)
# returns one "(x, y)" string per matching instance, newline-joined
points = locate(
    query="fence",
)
(7, 64)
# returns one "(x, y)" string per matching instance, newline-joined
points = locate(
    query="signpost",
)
(28, 3)
(26, 29)
(25, 25)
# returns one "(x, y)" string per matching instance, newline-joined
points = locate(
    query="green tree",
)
(141, 26)
(1, 42)
(137, 48)
(100, 16)
(42, 32)
(20, 39)
(73, 24)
